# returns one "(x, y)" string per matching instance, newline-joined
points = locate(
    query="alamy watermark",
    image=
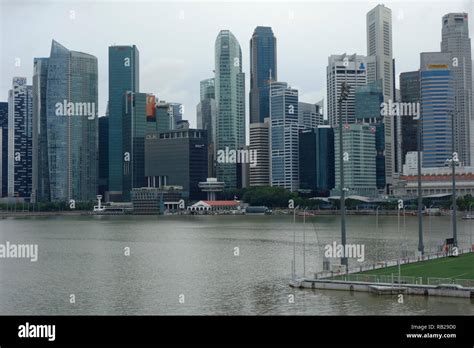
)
(20, 251)
(237, 156)
(400, 109)
(76, 109)
(334, 250)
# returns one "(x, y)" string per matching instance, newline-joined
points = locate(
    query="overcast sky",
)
(176, 39)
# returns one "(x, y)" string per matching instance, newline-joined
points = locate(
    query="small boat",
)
(468, 217)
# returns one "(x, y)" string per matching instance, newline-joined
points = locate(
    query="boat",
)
(468, 217)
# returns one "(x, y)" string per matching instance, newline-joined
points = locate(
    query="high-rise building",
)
(230, 102)
(164, 118)
(103, 157)
(177, 158)
(20, 117)
(360, 163)
(260, 143)
(3, 149)
(351, 69)
(206, 118)
(176, 114)
(284, 128)
(368, 100)
(409, 93)
(310, 115)
(207, 89)
(40, 160)
(379, 46)
(66, 123)
(123, 77)
(455, 40)
(316, 160)
(437, 106)
(263, 69)
(139, 118)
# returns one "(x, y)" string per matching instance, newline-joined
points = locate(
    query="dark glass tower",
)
(409, 93)
(4, 148)
(263, 67)
(123, 77)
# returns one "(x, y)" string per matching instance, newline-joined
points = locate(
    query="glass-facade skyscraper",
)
(66, 125)
(3, 149)
(437, 107)
(455, 40)
(123, 77)
(230, 103)
(409, 93)
(284, 128)
(20, 116)
(263, 68)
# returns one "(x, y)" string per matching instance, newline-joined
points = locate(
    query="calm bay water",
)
(194, 256)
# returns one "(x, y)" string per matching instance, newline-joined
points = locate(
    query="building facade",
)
(66, 125)
(379, 46)
(409, 93)
(263, 69)
(455, 40)
(230, 103)
(3, 149)
(123, 76)
(284, 132)
(260, 143)
(316, 160)
(437, 107)
(20, 118)
(177, 157)
(310, 115)
(359, 160)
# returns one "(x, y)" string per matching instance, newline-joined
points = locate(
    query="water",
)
(194, 256)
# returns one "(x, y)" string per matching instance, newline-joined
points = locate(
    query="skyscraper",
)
(66, 123)
(176, 114)
(455, 40)
(206, 118)
(409, 93)
(379, 45)
(3, 149)
(360, 166)
(230, 102)
(284, 128)
(437, 107)
(263, 68)
(123, 77)
(351, 69)
(259, 174)
(20, 115)
(316, 160)
(310, 115)
(103, 179)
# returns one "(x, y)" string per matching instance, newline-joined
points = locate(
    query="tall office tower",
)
(263, 69)
(123, 77)
(360, 167)
(284, 128)
(176, 111)
(103, 157)
(3, 149)
(66, 123)
(20, 117)
(177, 158)
(164, 119)
(207, 89)
(437, 106)
(379, 45)
(409, 93)
(260, 143)
(310, 115)
(455, 40)
(139, 118)
(230, 102)
(316, 158)
(351, 69)
(368, 100)
(40, 172)
(206, 119)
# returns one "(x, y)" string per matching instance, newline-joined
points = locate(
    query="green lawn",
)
(461, 267)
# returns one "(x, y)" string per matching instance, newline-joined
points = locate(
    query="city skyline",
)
(177, 79)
